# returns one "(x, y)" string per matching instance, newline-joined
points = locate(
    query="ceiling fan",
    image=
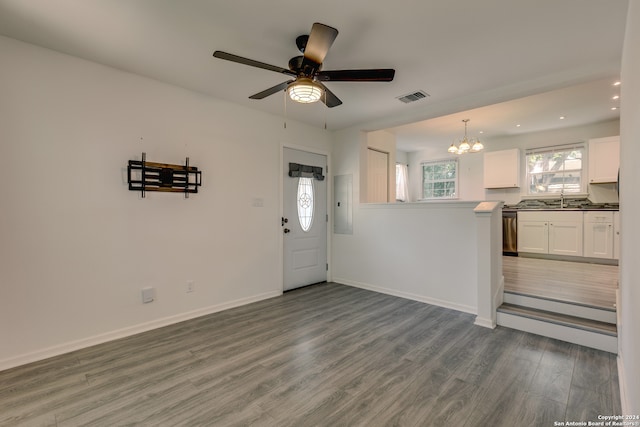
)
(307, 71)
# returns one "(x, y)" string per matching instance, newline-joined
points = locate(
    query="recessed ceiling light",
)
(518, 125)
(481, 131)
(562, 117)
(617, 83)
(615, 97)
(614, 108)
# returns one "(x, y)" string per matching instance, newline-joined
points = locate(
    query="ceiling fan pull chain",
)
(324, 92)
(285, 109)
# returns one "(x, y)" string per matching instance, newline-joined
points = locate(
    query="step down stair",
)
(577, 323)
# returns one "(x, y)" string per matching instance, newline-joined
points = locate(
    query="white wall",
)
(471, 165)
(402, 157)
(425, 252)
(76, 246)
(629, 324)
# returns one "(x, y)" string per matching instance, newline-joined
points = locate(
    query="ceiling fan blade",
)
(277, 88)
(251, 62)
(329, 98)
(320, 40)
(371, 75)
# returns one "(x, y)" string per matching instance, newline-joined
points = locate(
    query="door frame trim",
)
(329, 180)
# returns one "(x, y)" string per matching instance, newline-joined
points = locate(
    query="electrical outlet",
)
(191, 286)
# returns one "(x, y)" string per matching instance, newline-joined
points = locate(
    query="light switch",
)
(148, 295)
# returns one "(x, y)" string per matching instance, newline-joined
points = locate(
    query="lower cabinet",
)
(550, 232)
(591, 234)
(616, 235)
(565, 237)
(599, 235)
(533, 236)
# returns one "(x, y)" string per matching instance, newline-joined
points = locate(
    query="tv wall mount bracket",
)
(146, 176)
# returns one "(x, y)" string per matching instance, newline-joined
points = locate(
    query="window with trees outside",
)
(440, 179)
(555, 170)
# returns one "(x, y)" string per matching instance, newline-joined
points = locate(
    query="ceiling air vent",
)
(413, 97)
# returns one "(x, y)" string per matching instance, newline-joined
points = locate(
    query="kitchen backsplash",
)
(555, 204)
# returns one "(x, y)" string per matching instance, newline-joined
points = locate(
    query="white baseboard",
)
(67, 347)
(485, 323)
(407, 295)
(623, 385)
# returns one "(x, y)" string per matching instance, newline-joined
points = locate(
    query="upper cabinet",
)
(502, 169)
(604, 159)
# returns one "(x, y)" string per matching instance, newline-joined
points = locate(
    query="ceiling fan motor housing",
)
(301, 42)
(295, 63)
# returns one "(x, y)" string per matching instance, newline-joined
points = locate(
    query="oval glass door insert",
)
(305, 203)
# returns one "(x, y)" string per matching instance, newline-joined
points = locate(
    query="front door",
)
(304, 223)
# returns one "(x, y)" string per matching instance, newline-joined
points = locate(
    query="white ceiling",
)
(466, 54)
(579, 104)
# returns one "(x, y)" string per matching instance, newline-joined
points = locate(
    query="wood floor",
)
(326, 355)
(582, 283)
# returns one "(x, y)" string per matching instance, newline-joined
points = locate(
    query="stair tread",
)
(559, 318)
(563, 301)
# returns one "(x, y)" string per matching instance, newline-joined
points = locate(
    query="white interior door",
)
(304, 221)
(377, 176)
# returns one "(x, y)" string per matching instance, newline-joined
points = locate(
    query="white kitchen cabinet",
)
(550, 232)
(533, 236)
(502, 169)
(616, 235)
(565, 236)
(604, 159)
(598, 234)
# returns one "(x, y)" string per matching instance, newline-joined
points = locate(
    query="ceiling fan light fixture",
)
(305, 91)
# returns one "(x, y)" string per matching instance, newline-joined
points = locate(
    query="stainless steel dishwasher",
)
(509, 232)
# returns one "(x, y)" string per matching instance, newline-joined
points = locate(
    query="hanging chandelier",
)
(466, 144)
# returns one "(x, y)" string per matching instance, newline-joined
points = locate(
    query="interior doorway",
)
(377, 176)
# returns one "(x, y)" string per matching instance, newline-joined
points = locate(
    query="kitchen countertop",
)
(561, 209)
(554, 205)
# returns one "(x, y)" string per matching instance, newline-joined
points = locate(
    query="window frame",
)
(306, 214)
(456, 179)
(549, 152)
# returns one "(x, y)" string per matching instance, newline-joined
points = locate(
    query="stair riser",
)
(560, 332)
(562, 308)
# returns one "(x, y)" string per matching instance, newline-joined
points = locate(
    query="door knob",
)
(286, 230)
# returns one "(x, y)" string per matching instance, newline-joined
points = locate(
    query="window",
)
(440, 179)
(555, 170)
(305, 203)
